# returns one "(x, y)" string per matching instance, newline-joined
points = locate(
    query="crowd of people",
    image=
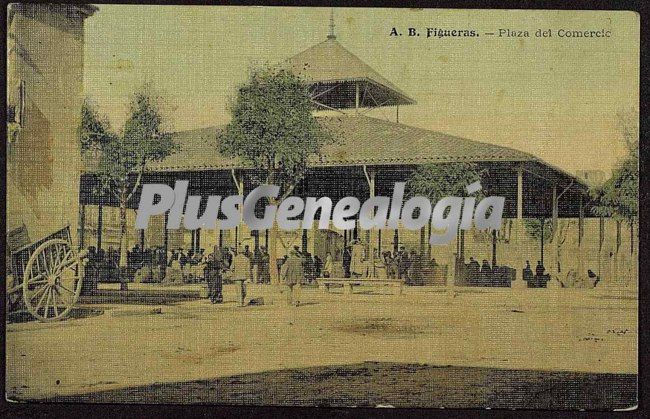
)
(409, 266)
(189, 266)
(298, 267)
(486, 275)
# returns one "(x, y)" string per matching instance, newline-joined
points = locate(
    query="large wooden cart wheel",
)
(52, 280)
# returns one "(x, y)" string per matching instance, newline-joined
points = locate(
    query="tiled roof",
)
(329, 62)
(358, 140)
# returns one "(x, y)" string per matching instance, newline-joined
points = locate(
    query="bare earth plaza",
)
(540, 312)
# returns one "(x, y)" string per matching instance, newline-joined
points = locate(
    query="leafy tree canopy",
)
(436, 181)
(142, 139)
(273, 128)
(533, 227)
(618, 196)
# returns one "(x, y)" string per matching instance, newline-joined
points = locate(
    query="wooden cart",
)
(48, 273)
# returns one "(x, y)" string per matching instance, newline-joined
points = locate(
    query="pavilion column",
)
(166, 242)
(519, 229)
(396, 241)
(371, 235)
(219, 234)
(239, 184)
(555, 210)
(494, 248)
(379, 242)
(601, 239)
(100, 225)
(428, 244)
(542, 221)
(356, 97)
(314, 233)
(82, 225)
(520, 192)
(304, 241)
(581, 269)
(554, 217)
(581, 226)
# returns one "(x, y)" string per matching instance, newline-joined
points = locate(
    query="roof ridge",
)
(444, 134)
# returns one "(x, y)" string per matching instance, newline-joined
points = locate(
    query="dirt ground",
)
(498, 348)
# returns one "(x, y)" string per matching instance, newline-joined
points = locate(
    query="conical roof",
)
(330, 63)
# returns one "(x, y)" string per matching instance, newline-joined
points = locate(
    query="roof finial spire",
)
(331, 34)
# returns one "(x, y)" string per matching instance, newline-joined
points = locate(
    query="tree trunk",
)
(541, 223)
(422, 241)
(494, 248)
(123, 242)
(631, 238)
(428, 244)
(601, 238)
(618, 236)
(100, 225)
(273, 254)
(462, 245)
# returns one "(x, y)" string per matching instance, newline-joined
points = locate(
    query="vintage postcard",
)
(350, 207)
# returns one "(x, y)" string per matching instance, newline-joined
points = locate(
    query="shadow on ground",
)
(399, 385)
(139, 297)
(23, 316)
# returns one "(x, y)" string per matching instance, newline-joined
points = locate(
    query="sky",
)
(557, 98)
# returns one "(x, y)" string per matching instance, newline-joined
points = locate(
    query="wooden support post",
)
(554, 210)
(166, 240)
(520, 192)
(379, 242)
(601, 239)
(304, 241)
(542, 221)
(371, 234)
(395, 241)
(82, 225)
(428, 243)
(356, 97)
(461, 253)
(581, 226)
(494, 248)
(100, 225)
(239, 184)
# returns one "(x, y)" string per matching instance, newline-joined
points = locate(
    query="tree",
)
(436, 181)
(618, 196)
(273, 129)
(540, 229)
(126, 154)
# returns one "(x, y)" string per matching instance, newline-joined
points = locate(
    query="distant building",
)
(44, 99)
